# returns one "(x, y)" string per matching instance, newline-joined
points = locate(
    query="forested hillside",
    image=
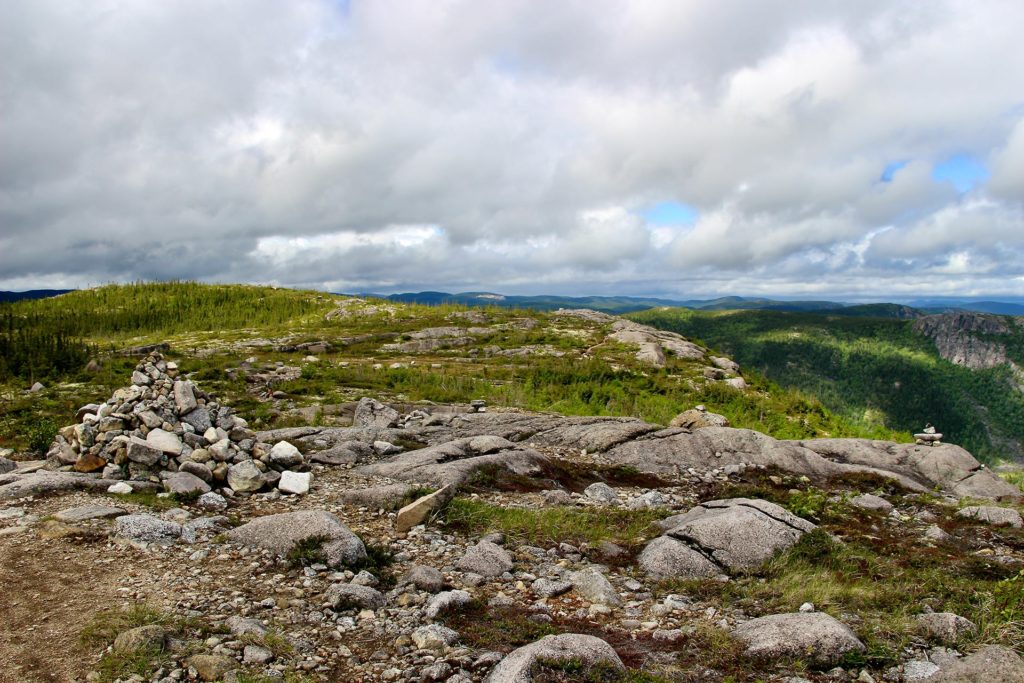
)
(871, 370)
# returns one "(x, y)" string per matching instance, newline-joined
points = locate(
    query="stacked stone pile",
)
(164, 428)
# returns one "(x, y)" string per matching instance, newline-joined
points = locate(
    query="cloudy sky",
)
(679, 147)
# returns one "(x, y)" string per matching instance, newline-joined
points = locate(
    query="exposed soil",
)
(51, 590)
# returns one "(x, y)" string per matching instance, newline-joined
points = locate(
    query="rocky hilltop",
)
(970, 339)
(370, 491)
(450, 543)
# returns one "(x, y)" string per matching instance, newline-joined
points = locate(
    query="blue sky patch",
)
(890, 170)
(670, 213)
(963, 171)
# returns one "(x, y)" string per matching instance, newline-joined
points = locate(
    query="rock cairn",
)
(165, 429)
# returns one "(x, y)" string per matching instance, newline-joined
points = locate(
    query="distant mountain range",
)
(31, 294)
(630, 304)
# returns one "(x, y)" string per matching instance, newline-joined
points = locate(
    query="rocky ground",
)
(163, 539)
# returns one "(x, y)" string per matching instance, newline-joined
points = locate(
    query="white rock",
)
(295, 482)
(120, 488)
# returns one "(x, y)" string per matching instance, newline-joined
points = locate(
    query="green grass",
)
(550, 526)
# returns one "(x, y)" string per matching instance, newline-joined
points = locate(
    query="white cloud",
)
(508, 145)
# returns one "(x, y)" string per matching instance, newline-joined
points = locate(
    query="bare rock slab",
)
(992, 514)
(280, 533)
(86, 512)
(518, 665)
(991, 664)
(813, 635)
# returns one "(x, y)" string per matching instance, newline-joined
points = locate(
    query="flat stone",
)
(212, 667)
(84, 512)
(868, 501)
(165, 442)
(185, 483)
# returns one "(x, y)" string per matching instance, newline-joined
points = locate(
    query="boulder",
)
(280, 533)
(518, 666)
(7, 465)
(197, 469)
(89, 462)
(814, 636)
(241, 626)
(486, 559)
(143, 452)
(184, 397)
(696, 418)
(434, 637)
(737, 534)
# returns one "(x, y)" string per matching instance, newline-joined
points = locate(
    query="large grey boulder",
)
(486, 559)
(280, 533)
(147, 529)
(518, 665)
(991, 514)
(734, 534)
(815, 636)
(454, 462)
(7, 465)
(372, 413)
(990, 664)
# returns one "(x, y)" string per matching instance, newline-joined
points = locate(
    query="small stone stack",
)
(166, 429)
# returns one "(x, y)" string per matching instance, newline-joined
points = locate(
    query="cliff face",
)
(961, 338)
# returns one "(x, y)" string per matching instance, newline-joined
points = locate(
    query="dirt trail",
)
(50, 589)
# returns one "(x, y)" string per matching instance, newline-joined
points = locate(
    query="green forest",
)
(871, 370)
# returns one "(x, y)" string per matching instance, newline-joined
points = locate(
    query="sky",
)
(680, 148)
